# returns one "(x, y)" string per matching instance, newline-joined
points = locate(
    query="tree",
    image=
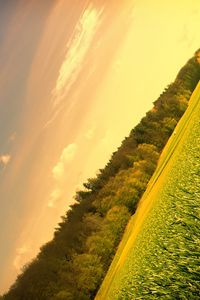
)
(88, 272)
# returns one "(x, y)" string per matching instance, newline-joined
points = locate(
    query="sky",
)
(76, 77)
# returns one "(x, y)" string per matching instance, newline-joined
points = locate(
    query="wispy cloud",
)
(54, 197)
(76, 51)
(108, 137)
(59, 172)
(186, 38)
(67, 156)
(90, 133)
(5, 159)
(20, 257)
(12, 137)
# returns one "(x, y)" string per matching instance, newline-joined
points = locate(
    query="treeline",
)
(73, 265)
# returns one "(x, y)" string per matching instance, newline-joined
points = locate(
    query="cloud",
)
(12, 137)
(186, 37)
(90, 133)
(58, 171)
(68, 153)
(20, 257)
(108, 137)
(5, 159)
(54, 197)
(66, 157)
(117, 65)
(76, 51)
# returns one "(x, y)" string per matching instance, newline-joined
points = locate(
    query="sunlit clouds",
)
(12, 137)
(5, 159)
(54, 197)
(60, 172)
(76, 51)
(20, 258)
(90, 133)
(66, 157)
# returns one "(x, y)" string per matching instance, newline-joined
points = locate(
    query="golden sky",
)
(74, 81)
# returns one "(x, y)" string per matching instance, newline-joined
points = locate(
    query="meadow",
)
(158, 257)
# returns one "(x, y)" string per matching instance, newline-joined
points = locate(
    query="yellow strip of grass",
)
(149, 197)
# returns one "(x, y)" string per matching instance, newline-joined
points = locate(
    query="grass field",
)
(159, 255)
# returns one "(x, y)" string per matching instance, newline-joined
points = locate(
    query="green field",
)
(159, 255)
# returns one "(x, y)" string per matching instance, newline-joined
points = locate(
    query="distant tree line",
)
(73, 265)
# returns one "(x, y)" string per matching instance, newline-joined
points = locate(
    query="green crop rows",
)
(163, 261)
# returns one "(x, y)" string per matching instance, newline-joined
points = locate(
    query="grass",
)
(158, 257)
